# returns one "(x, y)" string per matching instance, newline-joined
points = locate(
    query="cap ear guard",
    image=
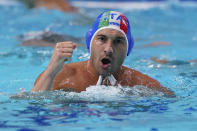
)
(130, 39)
(88, 38)
(130, 45)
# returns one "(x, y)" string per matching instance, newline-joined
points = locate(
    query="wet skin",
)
(108, 51)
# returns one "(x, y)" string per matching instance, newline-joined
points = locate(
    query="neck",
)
(91, 70)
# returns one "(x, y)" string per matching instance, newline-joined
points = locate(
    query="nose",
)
(108, 47)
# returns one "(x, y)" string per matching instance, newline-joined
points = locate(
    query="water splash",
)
(92, 94)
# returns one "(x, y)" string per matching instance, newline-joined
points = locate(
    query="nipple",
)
(109, 79)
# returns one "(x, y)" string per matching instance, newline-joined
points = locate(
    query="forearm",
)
(44, 82)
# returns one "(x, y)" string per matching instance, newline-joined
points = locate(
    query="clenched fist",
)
(63, 52)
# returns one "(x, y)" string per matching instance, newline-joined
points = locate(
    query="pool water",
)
(100, 107)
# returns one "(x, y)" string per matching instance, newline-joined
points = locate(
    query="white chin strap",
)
(111, 79)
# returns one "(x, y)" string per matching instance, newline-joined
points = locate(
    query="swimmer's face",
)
(108, 51)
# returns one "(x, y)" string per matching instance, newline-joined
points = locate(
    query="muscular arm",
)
(138, 78)
(62, 52)
(44, 82)
(155, 85)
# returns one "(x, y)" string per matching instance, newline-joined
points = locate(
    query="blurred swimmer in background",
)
(47, 37)
(62, 5)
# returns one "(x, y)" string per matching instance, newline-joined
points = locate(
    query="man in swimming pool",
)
(109, 41)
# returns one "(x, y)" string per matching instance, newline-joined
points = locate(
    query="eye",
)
(102, 38)
(119, 41)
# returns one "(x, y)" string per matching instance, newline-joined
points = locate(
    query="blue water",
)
(100, 108)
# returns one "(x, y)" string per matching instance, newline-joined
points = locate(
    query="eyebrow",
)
(100, 35)
(119, 37)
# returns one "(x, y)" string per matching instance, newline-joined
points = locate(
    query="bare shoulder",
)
(129, 71)
(69, 76)
(70, 70)
(137, 78)
(133, 74)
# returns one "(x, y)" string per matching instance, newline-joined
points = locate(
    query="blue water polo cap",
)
(114, 20)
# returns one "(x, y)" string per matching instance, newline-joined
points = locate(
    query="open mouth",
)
(106, 61)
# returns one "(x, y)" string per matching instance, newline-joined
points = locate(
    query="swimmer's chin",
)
(104, 73)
